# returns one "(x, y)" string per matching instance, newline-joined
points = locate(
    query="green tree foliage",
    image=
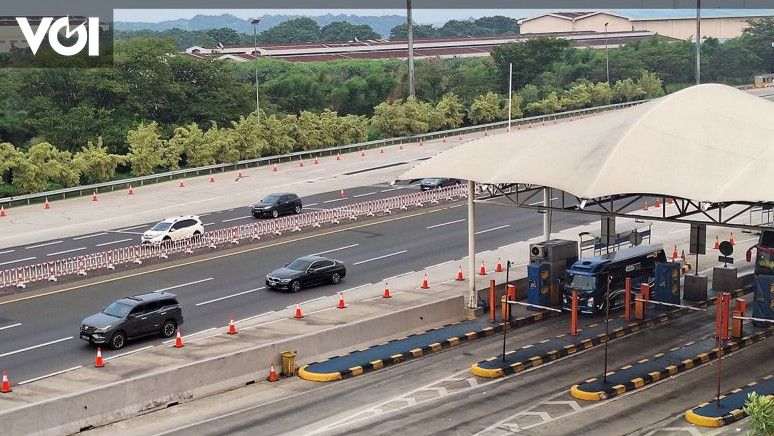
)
(249, 139)
(650, 84)
(224, 35)
(627, 90)
(420, 31)
(760, 408)
(547, 105)
(42, 164)
(451, 111)
(278, 132)
(402, 118)
(516, 105)
(9, 159)
(95, 163)
(498, 25)
(222, 141)
(487, 108)
(530, 58)
(146, 150)
(300, 30)
(342, 31)
(190, 139)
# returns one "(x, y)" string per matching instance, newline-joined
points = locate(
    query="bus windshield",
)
(583, 283)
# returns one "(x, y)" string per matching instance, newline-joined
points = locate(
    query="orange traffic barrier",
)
(492, 310)
(298, 315)
(386, 291)
(574, 314)
(178, 339)
(231, 326)
(98, 362)
(460, 277)
(425, 283)
(6, 387)
(272, 374)
(341, 301)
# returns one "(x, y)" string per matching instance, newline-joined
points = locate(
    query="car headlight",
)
(102, 329)
(284, 280)
(591, 301)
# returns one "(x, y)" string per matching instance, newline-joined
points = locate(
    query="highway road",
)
(437, 394)
(39, 336)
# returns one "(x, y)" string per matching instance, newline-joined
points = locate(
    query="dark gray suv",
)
(133, 317)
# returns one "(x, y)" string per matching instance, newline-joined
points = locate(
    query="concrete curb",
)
(667, 371)
(305, 374)
(694, 417)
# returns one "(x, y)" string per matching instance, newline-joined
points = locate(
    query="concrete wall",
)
(596, 23)
(720, 28)
(120, 400)
(546, 24)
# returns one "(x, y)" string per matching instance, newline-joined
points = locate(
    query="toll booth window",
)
(583, 283)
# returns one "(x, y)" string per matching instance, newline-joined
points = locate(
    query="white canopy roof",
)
(710, 143)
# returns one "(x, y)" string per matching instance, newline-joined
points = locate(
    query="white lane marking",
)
(255, 316)
(89, 236)
(315, 208)
(311, 204)
(11, 353)
(49, 375)
(66, 251)
(679, 231)
(380, 257)
(192, 334)
(184, 284)
(7, 251)
(293, 306)
(18, 260)
(492, 229)
(131, 228)
(238, 218)
(540, 203)
(363, 195)
(446, 224)
(125, 232)
(44, 245)
(331, 201)
(335, 249)
(209, 224)
(204, 214)
(10, 326)
(113, 242)
(392, 189)
(230, 296)
(128, 352)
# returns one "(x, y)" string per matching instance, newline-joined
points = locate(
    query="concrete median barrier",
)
(73, 402)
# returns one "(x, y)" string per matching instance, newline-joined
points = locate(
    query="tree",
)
(197, 151)
(420, 31)
(451, 111)
(303, 29)
(43, 163)
(530, 58)
(248, 139)
(455, 28)
(9, 158)
(344, 31)
(278, 133)
(529, 94)
(499, 25)
(627, 90)
(650, 84)
(548, 105)
(222, 141)
(601, 94)
(760, 408)
(402, 118)
(95, 163)
(577, 97)
(487, 108)
(146, 149)
(516, 105)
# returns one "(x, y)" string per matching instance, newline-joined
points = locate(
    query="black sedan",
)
(274, 205)
(437, 182)
(305, 272)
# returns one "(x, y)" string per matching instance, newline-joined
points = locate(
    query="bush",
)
(760, 408)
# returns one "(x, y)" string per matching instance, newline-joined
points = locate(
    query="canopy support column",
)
(472, 301)
(547, 214)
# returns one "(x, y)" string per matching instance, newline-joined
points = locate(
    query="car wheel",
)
(166, 239)
(295, 286)
(274, 213)
(297, 209)
(169, 328)
(336, 278)
(118, 341)
(197, 233)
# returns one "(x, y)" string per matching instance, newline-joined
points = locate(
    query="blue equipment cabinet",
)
(667, 286)
(538, 283)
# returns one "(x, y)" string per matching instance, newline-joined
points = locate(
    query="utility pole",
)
(607, 58)
(510, 93)
(410, 48)
(698, 42)
(255, 23)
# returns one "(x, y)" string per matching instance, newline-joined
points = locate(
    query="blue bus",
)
(589, 277)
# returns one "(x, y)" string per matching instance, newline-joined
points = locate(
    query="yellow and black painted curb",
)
(667, 371)
(695, 417)
(306, 374)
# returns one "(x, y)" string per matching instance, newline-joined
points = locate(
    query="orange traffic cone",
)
(301, 163)
(486, 132)
(338, 156)
(298, 315)
(231, 326)
(362, 153)
(131, 191)
(94, 196)
(212, 179)
(178, 339)
(341, 301)
(316, 161)
(421, 142)
(657, 204)
(342, 194)
(674, 254)
(444, 139)
(645, 205)
(682, 255)
(386, 291)
(482, 271)
(272, 374)
(2, 211)
(275, 169)
(717, 244)
(98, 362)
(460, 277)
(425, 284)
(461, 138)
(731, 238)
(46, 205)
(400, 147)
(239, 176)
(381, 150)
(669, 200)
(6, 384)
(499, 266)
(182, 184)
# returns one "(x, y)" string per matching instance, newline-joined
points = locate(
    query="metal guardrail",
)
(306, 154)
(82, 265)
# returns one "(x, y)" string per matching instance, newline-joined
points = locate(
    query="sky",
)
(423, 16)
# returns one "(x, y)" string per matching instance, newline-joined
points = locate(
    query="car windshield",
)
(117, 309)
(271, 199)
(162, 226)
(431, 181)
(299, 265)
(583, 283)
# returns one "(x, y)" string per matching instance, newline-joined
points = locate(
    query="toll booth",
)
(763, 302)
(764, 80)
(549, 261)
(667, 282)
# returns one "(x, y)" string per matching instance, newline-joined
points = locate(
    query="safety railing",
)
(137, 254)
(306, 154)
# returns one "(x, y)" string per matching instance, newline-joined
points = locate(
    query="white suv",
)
(173, 229)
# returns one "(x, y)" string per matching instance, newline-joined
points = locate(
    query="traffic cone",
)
(275, 169)
(421, 142)
(444, 139)
(98, 362)
(717, 243)
(386, 291)
(362, 153)
(645, 205)
(2, 211)
(341, 301)
(381, 150)
(682, 255)
(425, 284)
(657, 204)
(674, 254)
(272, 374)
(239, 176)
(731, 238)
(460, 277)
(529, 125)
(301, 163)
(669, 200)
(482, 271)
(486, 132)
(212, 179)
(499, 266)
(182, 184)
(6, 384)
(342, 194)
(231, 326)
(131, 191)
(94, 196)
(461, 138)
(400, 147)
(46, 205)
(178, 339)
(298, 315)
(316, 161)
(338, 156)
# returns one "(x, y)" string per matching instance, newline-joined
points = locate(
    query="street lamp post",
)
(607, 58)
(410, 24)
(255, 23)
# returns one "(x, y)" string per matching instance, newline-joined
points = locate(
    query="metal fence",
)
(108, 260)
(307, 154)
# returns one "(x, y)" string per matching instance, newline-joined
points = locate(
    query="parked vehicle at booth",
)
(764, 257)
(305, 272)
(589, 277)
